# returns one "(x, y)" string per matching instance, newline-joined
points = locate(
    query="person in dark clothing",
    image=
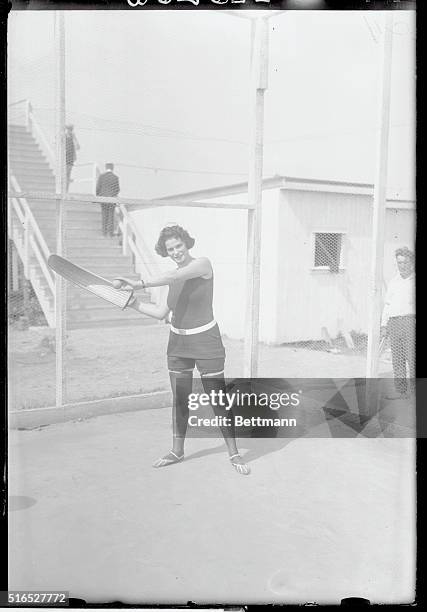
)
(71, 146)
(108, 186)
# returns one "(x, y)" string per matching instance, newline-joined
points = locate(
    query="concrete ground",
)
(319, 519)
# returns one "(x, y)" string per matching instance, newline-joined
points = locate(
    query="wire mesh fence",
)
(316, 245)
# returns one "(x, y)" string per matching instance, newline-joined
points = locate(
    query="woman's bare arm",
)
(198, 267)
(157, 311)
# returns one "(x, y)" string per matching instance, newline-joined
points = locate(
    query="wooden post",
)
(259, 83)
(124, 236)
(95, 174)
(26, 245)
(379, 216)
(27, 114)
(60, 175)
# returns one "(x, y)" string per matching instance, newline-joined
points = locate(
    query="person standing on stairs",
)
(71, 148)
(108, 185)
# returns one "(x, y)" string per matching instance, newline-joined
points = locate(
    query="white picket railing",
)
(33, 251)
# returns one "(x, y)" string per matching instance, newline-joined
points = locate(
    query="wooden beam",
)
(132, 203)
(379, 211)
(259, 75)
(60, 176)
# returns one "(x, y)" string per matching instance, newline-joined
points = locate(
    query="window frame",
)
(343, 253)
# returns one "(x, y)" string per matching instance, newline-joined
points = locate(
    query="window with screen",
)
(327, 251)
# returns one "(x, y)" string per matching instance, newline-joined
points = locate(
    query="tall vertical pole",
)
(379, 203)
(259, 83)
(60, 176)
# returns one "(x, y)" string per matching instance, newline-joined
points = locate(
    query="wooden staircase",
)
(84, 242)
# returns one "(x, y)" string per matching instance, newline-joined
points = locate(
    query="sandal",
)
(241, 468)
(163, 461)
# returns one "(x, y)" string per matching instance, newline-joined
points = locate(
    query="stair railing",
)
(40, 137)
(32, 248)
(18, 113)
(22, 113)
(91, 179)
(133, 242)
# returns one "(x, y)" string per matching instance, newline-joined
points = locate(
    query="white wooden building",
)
(315, 253)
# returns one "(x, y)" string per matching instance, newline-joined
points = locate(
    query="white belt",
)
(193, 330)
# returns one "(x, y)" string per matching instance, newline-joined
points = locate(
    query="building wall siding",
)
(310, 300)
(296, 302)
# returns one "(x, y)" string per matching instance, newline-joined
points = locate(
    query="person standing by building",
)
(71, 148)
(108, 185)
(398, 322)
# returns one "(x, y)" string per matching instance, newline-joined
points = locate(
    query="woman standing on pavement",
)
(194, 340)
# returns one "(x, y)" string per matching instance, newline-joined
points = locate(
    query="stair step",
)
(30, 163)
(103, 263)
(36, 187)
(18, 129)
(28, 148)
(40, 177)
(50, 205)
(17, 126)
(30, 171)
(84, 300)
(81, 208)
(27, 157)
(91, 230)
(21, 137)
(98, 314)
(36, 179)
(107, 271)
(87, 251)
(107, 323)
(76, 216)
(77, 297)
(76, 240)
(21, 141)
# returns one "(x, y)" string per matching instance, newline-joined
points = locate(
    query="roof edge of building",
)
(286, 182)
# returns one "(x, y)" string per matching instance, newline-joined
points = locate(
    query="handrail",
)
(36, 130)
(34, 126)
(18, 116)
(31, 219)
(18, 211)
(29, 243)
(43, 265)
(135, 231)
(18, 102)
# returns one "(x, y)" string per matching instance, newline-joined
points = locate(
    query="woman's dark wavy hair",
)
(173, 231)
